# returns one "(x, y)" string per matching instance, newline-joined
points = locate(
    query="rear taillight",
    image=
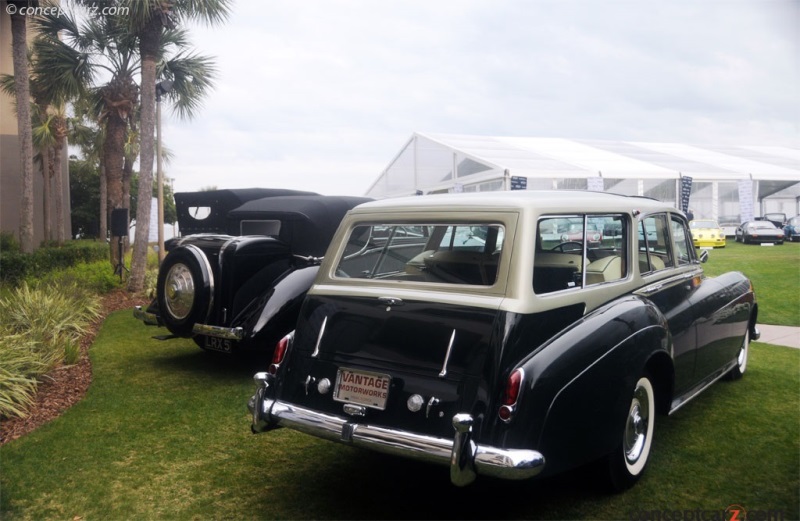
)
(511, 395)
(280, 352)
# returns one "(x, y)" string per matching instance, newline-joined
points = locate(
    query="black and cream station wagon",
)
(507, 334)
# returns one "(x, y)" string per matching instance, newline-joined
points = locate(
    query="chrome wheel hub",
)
(636, 426)
(179, 291)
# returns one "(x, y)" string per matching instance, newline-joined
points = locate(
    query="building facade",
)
(10, 166)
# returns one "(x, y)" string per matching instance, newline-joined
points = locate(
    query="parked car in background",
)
(760, 232)
(729, 227)
(707, 233)
(791, 231)
(237, 280)
(513, 357)
(776, 218)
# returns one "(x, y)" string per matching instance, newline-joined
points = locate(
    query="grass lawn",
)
(774, 271)
(164, 434)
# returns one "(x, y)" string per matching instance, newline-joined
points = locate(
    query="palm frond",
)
(193, 76)
(209, 12)
(62, 72)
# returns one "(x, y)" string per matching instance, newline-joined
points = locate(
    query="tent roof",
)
(529, 156)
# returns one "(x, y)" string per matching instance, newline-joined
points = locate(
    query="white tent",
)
(728, 183)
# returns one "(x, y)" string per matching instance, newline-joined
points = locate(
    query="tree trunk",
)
(150, 39)
(127, 175)
(20, 56)
(103, 232)
(47, 172)
(61, 138)
(113, 149)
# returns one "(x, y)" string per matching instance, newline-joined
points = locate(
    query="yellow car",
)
(707, 233)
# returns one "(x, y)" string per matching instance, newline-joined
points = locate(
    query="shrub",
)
(40, 328)
(8, 242)
(16, 267)
(96, 277)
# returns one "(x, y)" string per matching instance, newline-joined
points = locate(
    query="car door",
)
(671, 291)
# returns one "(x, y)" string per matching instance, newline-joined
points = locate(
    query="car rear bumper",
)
(227, 333)
(465, 458)
(151, 319)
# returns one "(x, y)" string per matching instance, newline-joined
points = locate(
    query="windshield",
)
(766, 225)
(703, 224)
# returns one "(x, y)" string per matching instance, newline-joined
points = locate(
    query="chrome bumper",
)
(227, 333)
(465, 458)
(151, 319)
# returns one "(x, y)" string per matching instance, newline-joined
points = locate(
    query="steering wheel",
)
(568, 246)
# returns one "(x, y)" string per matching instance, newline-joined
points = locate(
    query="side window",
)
(577, 251)
(655, 252)
(606, 250)
(683, 246)
(558, 260)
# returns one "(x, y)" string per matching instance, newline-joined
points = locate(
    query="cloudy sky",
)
(322, 94)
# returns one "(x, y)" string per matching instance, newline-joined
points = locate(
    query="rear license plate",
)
(362, 388)
(219, 344)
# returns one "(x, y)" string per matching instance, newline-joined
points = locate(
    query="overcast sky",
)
(322, 94)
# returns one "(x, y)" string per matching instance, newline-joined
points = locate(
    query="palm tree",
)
(19, 45)
(48, 133)
(152, 20)
(76, 55)
(72, 58)
(89, 139)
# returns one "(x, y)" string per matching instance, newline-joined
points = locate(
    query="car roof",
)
(219, 203)
(314, 218)
(543, 201)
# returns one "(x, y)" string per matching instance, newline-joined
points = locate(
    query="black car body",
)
(759, 232)
(237, 280)
(490, 346)
(776, 218)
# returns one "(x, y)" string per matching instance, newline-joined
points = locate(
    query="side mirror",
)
(704, 256)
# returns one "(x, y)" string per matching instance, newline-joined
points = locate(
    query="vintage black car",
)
(236, 280)
(462, 330)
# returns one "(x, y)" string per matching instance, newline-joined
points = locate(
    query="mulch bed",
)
(66, 385)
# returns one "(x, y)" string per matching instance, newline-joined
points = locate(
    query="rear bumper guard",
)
(151, 319)
(465, 458)
(227, 333)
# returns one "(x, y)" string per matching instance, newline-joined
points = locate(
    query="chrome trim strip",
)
(319, 337)
(228, 333)
(679, 402)
(443, 372)
(461, 453)
(151, 319)
(668, 282)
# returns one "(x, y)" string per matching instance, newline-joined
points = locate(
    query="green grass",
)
(774, 271)
(164, 434)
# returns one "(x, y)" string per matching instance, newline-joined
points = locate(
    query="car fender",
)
(277, 309)
(578, 385)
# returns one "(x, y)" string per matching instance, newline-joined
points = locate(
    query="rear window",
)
(452, 253)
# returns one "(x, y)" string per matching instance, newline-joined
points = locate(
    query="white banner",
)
(746, 200)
